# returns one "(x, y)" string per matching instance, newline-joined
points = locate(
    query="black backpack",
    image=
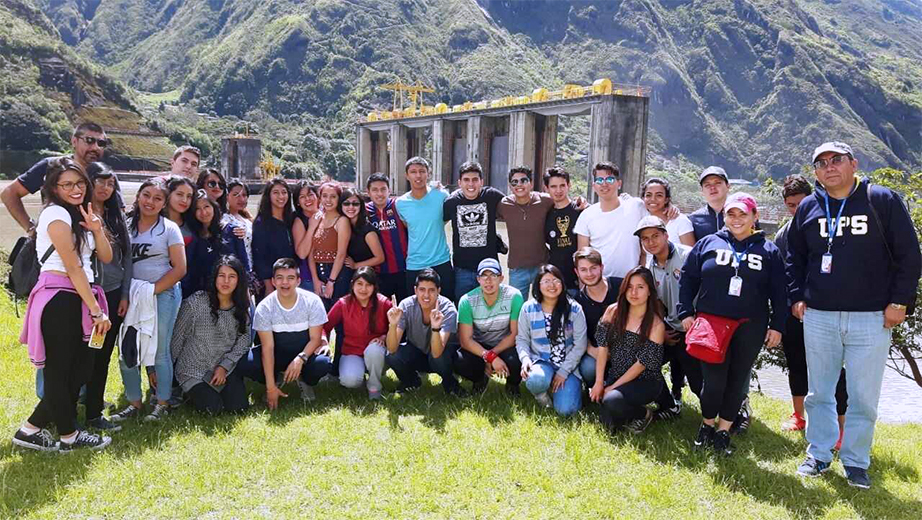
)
(25, 266)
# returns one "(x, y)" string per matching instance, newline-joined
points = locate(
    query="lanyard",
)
(832, 225)
(739, 256)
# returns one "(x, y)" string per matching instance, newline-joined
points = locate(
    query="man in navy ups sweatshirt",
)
(854, 263)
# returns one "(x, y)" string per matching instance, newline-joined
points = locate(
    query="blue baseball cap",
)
(489, 264)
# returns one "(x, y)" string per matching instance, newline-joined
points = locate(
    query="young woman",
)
(212, 334)
(65, 308)
(210, 240)
(364, 249)
(239, 217)
(160, 260)
(115, 278)
(657, 198)
(330, 240)
(551, 341)
(734, 274)
(215, 186)
(180, 204)
(360, 320)
(630, 338)
(307, 203)
(272, 231)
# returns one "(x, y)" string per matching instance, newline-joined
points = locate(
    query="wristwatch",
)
(898, 306)
(302, 356)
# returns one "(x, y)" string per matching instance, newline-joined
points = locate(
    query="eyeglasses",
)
(819, 164)
(105, 184)
(69, 186)
(352, 203)
(102, 143)
(520, 180)
(605, 180)
(550, 282)
(214, 184)
(489, 275)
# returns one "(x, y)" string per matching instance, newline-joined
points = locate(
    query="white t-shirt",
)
(290, 327)
(678, 227)
(150, 250)
(48, 215)
(612, 234)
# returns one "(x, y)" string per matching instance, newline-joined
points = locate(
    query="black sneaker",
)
(479, 387)
(705, 436)
(405, 388)
(127, 413)
(857, 477)
(743, 418)
(722, 445)
(40, 440)
(637, 426)
(458, 392)
(668, 414)
(101, 423)
(811, 467)
(87, 440)
(513, 390)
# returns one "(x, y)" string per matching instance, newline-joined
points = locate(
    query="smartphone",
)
(97, 339)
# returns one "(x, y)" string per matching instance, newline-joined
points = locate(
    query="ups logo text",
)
(856, 224)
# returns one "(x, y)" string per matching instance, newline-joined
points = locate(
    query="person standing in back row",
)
(559, 226)
(715, 186)
(854, 264)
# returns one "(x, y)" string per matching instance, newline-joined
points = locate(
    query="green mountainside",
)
(750, 84)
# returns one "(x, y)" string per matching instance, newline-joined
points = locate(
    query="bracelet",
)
(331, 280)
(489, 356)
(302, 356)
(437, 330)
(898, 306)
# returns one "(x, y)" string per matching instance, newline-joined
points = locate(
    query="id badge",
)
(736, 286)
(826, 264)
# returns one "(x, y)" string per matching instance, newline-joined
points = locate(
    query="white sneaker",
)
(307, 392)
(544, 400)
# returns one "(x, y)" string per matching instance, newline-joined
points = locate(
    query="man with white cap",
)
(715, 186)
(854, 263)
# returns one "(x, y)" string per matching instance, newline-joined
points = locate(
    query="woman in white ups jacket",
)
(733, 273)
(854, 262)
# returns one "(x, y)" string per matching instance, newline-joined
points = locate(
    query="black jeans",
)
(689, 368)
(409, 360)
(471, 367)
(68, 362)
(394, 284)
(251, 365)
(726, 384)
(446, 275)
(96, 386)
(796, 355)
(232, 397)
(341, 286)
(628, 401)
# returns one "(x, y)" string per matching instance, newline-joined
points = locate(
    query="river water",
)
(900, 400)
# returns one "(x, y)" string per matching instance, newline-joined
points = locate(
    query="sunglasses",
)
(605, 180)
(520, 180)
(819, 164)
(352, 203)
(102, 143)
(214, 184)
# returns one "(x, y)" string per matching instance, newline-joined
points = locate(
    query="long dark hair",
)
(112, 214)
(136, 211)
(561, 314)
(362, 217)
(296, 195)
(172, 184)
(214, 227)
(619, 324)
(241, 296)
(245, 213)
(368, 274)
(56, 168)
(265, 202)
(203, 179)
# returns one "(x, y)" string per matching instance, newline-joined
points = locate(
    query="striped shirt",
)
(490, 322)
(532, 342)
(393, 234)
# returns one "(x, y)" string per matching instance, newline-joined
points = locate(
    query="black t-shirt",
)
(473, 226)
(594, 310)
(358, 249)
(561, 240)
(34, 178)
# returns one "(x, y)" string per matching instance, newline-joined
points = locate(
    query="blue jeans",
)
(465, 281)
(409, 360)
(521, 278)
(39, 383)
(860, 342)
(567, 400)
(587, 369)
(167, 309)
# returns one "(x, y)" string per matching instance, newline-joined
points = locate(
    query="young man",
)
(290, 326)
(715, 186)
(559, 234)
(854, 264)
(608, 225)
(421, 211)
(524, 212)
(487, 324)
(472, 211)
(665, 259)
(418, 334)
(89, 143)
(597, 294)
(795, 189)
(185, 162)
(382, 214)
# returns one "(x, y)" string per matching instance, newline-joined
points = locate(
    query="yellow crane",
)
(414, 93)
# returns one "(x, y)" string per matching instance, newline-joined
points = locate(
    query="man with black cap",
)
(854, 264)
(715, 186)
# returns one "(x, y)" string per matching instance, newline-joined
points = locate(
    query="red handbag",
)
(709, 337)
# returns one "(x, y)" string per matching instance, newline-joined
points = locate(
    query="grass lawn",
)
(425, 456)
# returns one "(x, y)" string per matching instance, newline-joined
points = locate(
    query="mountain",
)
(749, 84)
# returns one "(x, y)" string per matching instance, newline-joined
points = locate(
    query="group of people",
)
(203, 295)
